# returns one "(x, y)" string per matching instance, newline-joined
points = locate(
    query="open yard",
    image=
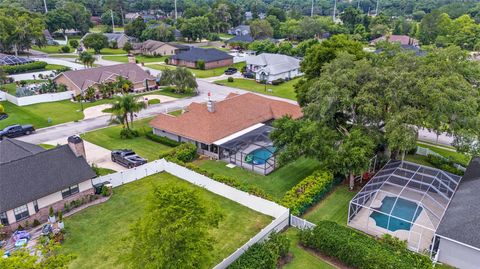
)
(200, 73)
(109, 138)
(139, 58)
(275, 184)
(95, 234)
(285, 90)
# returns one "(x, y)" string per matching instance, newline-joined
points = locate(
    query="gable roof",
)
(151, 45)
(110, 36)
(274, 63)
(241, 38)
(402, 39)
(233, 114)
(461, 221)
(86, 77)
(40, 174)
(12, 149)
(208, 55)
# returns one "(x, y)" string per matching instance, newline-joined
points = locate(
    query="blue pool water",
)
(403, 209)
(260, 155)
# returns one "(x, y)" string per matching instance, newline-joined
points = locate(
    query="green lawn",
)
(47, 146)
(98, 29)
(334, 207)
(303, 259)
(139, 58)
(176, 113)
(457, 157)
(109, 138)
(285, 90)
(226, 36)
(200, 73)
(54, 67)
(169, 91)
(275, 184)
(95, 234)
(71, 56)
(422, 160)
(50, 49)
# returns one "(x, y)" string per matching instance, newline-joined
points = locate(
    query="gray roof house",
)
(213, 58)
(270, 67)
(240, 30)
(35, 179)
(119, 38)
(240, 39)
(458, 234)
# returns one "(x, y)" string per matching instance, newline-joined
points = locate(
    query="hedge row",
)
(162, 140)
(362, 251)
(185, 152)
(264, 255)
(444, 164)
(309, 191)
(15, 69)
(232, 182)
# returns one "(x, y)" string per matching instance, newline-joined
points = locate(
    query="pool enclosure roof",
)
(6, 59)
(259, 133)
(432, 189)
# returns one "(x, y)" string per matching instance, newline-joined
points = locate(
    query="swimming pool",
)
(260, 155)
(403, 209)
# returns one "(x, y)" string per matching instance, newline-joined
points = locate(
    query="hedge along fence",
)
(360, 250)
(309, 191)
(15, 69)
(162, 140)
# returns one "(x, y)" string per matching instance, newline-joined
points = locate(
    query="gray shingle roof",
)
(208, 55)
(40, 174)
(274, 63)
(241, 38)
(461, 221)
(11, 149)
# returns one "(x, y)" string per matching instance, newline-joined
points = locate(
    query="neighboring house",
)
(240, 39)
(270, 67)
(458, 235)
(154, 48)
(240, 30)
(119, 38)
(34, 179)
(213, 58)
(79, 80)
(402, 39)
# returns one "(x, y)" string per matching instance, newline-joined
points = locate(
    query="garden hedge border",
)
(15, 69)
(162, 140)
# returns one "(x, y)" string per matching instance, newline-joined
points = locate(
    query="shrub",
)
(15, 69)
(185, 152)
(128, 133)
(230, 79)
(278, 81)
(2, 109)
(162, 140)
(359, 250)
(106, 191)
(265, 254)
(213, 37)
(20, 227)
(35, 223)
(153, 101)
(444, 164)
(166, 60)
(309, 191)
(200, 64)
(65, 49)
(50, 212)
(73, 43)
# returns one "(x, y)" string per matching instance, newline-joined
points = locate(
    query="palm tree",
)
(87, 59)
(126, 106)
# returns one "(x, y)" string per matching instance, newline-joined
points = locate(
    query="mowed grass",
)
(285, 90)
(452, 154)
(199, 73)
(139, 58)
(109, 138)
(95, 234)
(275, 184)
(334, 207)
(49, 49)
(303, 259)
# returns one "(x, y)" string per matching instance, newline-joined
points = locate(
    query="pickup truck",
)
(127, 158)
(16, 130)
(230, 71)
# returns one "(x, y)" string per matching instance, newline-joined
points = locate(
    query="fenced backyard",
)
(426, 151)
(35, 99)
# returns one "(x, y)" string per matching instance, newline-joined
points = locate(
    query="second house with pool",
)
(235, 129)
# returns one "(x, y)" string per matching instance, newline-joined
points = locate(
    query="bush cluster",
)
(185, 152)
(162, 140)
(265, 254)
(444, 164)
(361, 251)
(230, 79)
(278, 81)
(15, 69)
(128, 133)
(65, 49)
(309, 191)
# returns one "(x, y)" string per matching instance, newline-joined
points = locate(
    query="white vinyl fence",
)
(300, 223)
(426, 151)
(35, 99)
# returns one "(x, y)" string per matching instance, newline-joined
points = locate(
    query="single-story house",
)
(269, 67)
(34, 179)
(402, 39)
(213, 58)
(240, 39)
(119, 38)
(229, 129)
(154, 48)
(79, 80)
(240, 30)
(457, 239)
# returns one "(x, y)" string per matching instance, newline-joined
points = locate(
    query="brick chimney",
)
(210, 104)
(76, 145)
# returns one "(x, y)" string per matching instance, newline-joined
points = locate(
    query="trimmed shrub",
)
(65, 49)
(278, 81)
(265, 254)
(230, 79)
(185, 152)
(128, 133)
(35, 223)
(309, 191)
(361, 251)
(162, 140)
(73, 43)
(200, 64)
(22, 68)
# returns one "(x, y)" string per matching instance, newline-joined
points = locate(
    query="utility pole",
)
(358, 4)
(376, 9)
(175, 10)
(45, 4)
(334, 10)
(113, 23)
(311, 10)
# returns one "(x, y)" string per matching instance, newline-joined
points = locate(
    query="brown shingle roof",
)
(402, 39)
(87, 77)
(235, 113)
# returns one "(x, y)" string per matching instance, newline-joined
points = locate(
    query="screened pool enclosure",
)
(405, 200)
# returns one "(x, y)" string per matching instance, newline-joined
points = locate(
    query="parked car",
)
(231, 71)
(47, 229)
(18, 235)
(249, 75)
(16, 130)
(127, 158)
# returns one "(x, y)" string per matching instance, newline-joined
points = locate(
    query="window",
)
(21, 212)
(35, 205)
(3, 218)
(69, 191)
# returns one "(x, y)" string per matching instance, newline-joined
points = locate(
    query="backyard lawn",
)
(200, 73)
(50, 49)
(285, 90)
(11, 88)
(95, 234)
(334, 207)
(450, 153)
(275, 184)
(109, 138)
(139, 58)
